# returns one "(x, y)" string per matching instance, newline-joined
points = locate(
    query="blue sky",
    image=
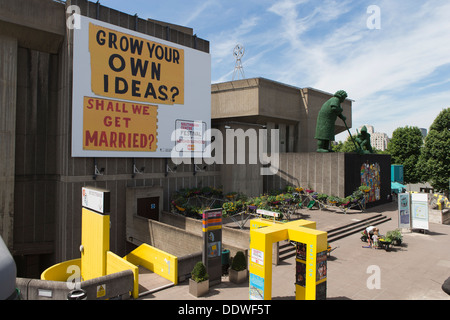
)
(397, 75)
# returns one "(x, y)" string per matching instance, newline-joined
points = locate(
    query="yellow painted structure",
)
(97, 261)
(263, 234)
(155, 260)
(95, 242)
(115, 264)
(60, 271)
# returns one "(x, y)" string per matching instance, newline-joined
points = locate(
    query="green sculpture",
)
(326, 121)
(363, 140)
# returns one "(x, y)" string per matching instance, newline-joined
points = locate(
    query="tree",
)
(405, 148)
(434, 162)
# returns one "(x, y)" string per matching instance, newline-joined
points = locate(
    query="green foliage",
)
(394, 235)
(199, 273)
(434, 162)
(405, 148)
(239, 263)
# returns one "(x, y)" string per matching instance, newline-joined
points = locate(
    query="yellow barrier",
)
(311, 274)
(114, 264)
(155, 260)
(61, 271)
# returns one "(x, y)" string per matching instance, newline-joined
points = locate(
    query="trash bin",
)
(225, 257)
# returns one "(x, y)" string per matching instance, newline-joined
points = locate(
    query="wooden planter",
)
(237, 276)
(198, 289)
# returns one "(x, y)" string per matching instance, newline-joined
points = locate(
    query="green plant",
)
(322, 197)
(364, 188)
(394, 235)
(199, 273)
(239, 263)
(333, 199)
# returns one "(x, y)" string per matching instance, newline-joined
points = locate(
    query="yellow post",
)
(264, 234)
(95, 244)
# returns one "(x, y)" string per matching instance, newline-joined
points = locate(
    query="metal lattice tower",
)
(238, 53)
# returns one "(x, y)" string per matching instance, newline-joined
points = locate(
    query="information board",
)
(419, 211)
(404, 210)
(212, 240)
(130, 91)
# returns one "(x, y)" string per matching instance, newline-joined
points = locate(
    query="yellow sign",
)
(132, 68)
(110, 125)
(101, 291)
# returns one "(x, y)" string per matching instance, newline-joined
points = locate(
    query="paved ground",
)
(414, 271)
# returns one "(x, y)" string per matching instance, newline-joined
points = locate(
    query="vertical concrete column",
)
(8, 85)
(283, 139)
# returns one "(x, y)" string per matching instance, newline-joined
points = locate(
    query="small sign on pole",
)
(96, 199)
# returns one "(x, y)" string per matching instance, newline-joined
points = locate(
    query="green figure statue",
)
(363, 140)
(326, 121)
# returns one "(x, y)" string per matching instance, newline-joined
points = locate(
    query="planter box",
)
(198, 289)
(237, 276)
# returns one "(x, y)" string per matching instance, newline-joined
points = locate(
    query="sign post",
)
(404, 211)
(212, 244)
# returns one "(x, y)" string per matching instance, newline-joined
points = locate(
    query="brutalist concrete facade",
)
(40, 193)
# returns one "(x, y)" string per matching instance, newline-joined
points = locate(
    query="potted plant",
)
(199, 281)
(333, 199)
(395, 236)
(238, 269)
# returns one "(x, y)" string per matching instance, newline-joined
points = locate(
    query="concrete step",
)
(287, 250)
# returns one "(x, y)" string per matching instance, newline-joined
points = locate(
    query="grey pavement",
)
(415, 270)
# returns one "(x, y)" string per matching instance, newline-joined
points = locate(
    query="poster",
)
(257, 257)
(321, 266)
(301, 251)
(130, 91)
(419, 210)
(256, 287)
(404, 210)
(371, 177)
(300, 273)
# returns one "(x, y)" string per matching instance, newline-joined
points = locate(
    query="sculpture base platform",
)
(337, 174)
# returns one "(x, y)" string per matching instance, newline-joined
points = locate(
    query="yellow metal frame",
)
(95, 242)
(97, 261)
(155, 260)
(263, 233)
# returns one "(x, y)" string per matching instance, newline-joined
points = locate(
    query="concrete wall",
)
(8, 88)
(337, 174)
(322, 172)
(119, 284)
(179, 235)
(40, 193)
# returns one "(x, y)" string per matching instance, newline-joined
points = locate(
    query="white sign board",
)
(95, 199)
(419, 210)
(257, 257)
(267, 213)
(130, 91)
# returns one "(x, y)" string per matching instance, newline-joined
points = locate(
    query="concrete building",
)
(261, 103)
(40, 193)
(379, 141)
